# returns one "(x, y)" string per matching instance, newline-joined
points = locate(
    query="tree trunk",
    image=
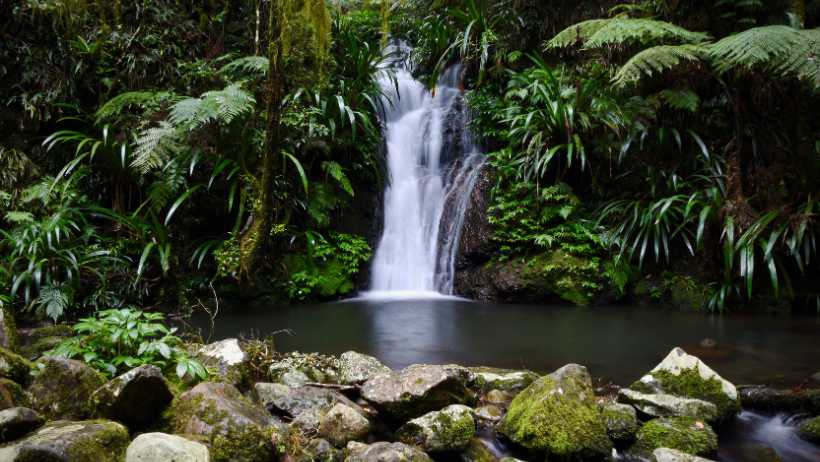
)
(254, 240)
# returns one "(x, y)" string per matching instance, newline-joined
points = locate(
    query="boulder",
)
(34, 342)
(449, 429)
(358, 368)
(226, 357)
(809, 430)
(62, 388)
(14, 367)
(318, 449)
(70, 441)
(8, 330)
(489, 413)
(621, 422)
(557, 417)
(673, 455)
(418, 389)
(804, 401)
(292, 369)
(684, 375)
(282, 399)
(342, 424)
(18, 421)
(238, 429)
(136, 398)
(663, 405)
(685, 434)
(488, 378)
(384, 452)
(498, 397)
(478, 451)
(12, 394)
(162, 447)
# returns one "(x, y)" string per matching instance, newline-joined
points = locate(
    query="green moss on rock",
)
(682, 433)
(14, 366)
(12, 395)
(689, 384)
(809, 430)
(621, 422)
(71, 441)
(62, 388)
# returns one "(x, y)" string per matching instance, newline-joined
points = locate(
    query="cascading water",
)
(432, 165)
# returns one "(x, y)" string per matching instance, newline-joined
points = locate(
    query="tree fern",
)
(154, 146)
(576, 34)
(221, 105)
(249, 65)
(142, 99)
(656, 60)
(599, 33)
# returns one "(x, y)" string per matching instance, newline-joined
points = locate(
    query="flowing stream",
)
(432, 165)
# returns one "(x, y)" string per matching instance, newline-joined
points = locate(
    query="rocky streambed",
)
(353, 408)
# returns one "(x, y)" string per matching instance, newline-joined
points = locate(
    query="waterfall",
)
(432, 166)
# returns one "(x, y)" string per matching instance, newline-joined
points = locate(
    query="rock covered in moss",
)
(557, 416)
(684, 375)
(358, 368)
(773, 400)
(162, 447)
(342, 424)
(14, 367)
(292, 368)
(293, 401)
(449, 429)
(36, 341)
(621, 422)
(809, 430)
(673, 455)
(12, 394)
(478, 451)
(239, 430)
(418, 389)
(17, 421)
(226, 358)
(663, 405)
(136, 398)
(384, 452)
(62, 388)
(70, 441)
(8, 330)
(486, 379)
(685, 434)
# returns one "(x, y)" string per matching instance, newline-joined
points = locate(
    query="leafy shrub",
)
(328, 267)
(114, 341)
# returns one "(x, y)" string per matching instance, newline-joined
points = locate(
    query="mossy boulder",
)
(557, 416)
(36, 341)
(14, 367)
(136, 398)
(449, 429)
(296, 369)
(621, 422)
(809, 430)
(8, 330)
(238, 429)
(684, 375)
(804, 401)
(685, 434)
(555, 275)
(673, 455)
(486, 379)
(226, 358)
(663, 405)
(385, 452)
(159, 447)
(418, 389)
(70, 441)
(478, 451)
(358, 368)
(62, 388)
(12, 394)
(18, 421)
(342, 424)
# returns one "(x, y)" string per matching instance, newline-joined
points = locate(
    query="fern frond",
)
(335, 170)
(142, 99)
(221, 105)
(155, 146)
(656, 60)
(253, 65)
(684, 100)
(599, 33)
(576, 34)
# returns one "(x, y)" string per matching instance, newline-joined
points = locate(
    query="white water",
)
(432, 166)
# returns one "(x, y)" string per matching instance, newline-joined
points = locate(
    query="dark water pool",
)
(616, 343)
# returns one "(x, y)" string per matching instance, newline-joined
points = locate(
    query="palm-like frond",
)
(142, 99)
(600, 33)
(154, 147)
(249, 65)
(657, 60)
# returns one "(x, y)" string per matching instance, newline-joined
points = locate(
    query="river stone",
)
(621, 422)
(684, 375)
(239, 430)
(12, 394)
(357, 368)
(17, 421)
(489, 413)
(498, 397)
(8, 330)
(291, 368)
(809, 430)
(663, 405)
(488, 378)
(70, 441)
(14, 367)
(805, 401)
(342, 424)
(162, 447)
(318, 449)
(384, 452)
(61, 389)
(673, 455)
(449, 429)
(135, 398)
(282, 399)
(478, 451)
(685, 434)
(226, 357)
(38, 340)
(557, 417)
(418, 389)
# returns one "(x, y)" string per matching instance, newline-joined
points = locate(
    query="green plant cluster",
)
(328, 267)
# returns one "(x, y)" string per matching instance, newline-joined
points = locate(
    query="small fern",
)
(683, 100)
(600, 33)
(656, 60)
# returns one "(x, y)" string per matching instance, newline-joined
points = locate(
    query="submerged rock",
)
(684, 375)
(449, 429)
(12, 394)
(809, 430)
(685, 434)
(62, 388)
(384, 452)
(239, 430)
(486, 379)
(162, 447)
(557, 416)
(70, 441)
(135, 398)
(663, 405)
(14, 367)
(342, 424)
(621, 422)
(357, 368)
(418, 389)
(673, 455)
(17, 421)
